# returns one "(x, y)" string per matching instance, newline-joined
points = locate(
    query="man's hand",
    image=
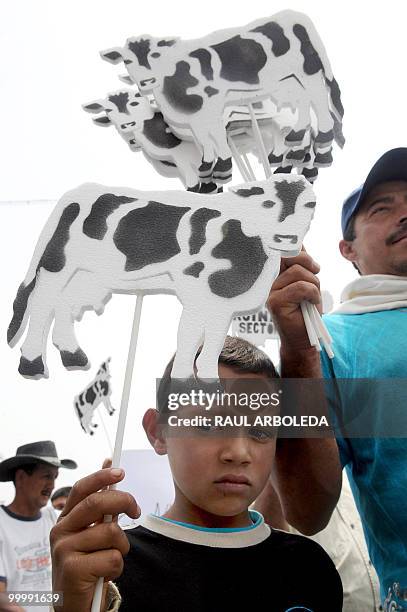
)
(7, 606)
(296, 283)
(84, 548)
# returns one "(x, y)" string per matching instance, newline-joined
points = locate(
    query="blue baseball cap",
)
(392, 166)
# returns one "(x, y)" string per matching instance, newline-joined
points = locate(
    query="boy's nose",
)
(235, 450)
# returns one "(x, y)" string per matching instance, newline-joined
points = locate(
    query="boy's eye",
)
(262, 435)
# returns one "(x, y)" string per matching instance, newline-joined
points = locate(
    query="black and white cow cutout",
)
(218, 253)
(144, 128)
(97, 392)
(281, 57)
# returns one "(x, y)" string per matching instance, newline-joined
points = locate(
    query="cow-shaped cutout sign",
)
(218, 253)
(281, 57)
(97, 392)
(144, 128)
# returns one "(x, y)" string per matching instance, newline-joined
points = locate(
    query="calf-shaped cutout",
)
(218, 253)
(97, 392)
(144, 127)
(281, 57)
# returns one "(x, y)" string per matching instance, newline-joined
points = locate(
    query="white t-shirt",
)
(25, 556)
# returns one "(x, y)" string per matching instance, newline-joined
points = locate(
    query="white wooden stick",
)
(259, 141)
(321, 330)
(105, 430)
(97, 597)
(313, 339)
(250, 169)
(239, 163)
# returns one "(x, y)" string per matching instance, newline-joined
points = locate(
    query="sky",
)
(49, 67)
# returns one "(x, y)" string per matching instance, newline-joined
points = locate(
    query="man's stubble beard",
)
(400, 268)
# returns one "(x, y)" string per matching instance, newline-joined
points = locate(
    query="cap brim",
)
(8, 466)
(392, 166)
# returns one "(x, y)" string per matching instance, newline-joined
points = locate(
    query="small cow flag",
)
(97, 392)
(219, 254)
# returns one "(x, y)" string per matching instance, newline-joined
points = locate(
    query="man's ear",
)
(154, 431)
(347, 250)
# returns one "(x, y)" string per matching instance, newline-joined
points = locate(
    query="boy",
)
(209, 552)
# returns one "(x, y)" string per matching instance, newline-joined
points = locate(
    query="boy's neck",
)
(186, 512)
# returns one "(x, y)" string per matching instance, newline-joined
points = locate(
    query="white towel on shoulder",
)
(372, 293)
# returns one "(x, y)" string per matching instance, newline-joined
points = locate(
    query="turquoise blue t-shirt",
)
(374, 346)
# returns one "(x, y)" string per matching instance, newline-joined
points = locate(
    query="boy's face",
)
(216, 473)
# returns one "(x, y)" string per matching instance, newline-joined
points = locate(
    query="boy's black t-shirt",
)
(175, 568)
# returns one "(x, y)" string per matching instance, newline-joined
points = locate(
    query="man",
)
(59, 497)
(369, 343)
(25, 524)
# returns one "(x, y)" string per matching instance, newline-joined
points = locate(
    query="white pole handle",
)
(97, 597)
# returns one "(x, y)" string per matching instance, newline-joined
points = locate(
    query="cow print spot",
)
(246, 193)
(53, 259)
(223, 165)
(90, 395)
(148, 235)
(297, 155)
(335, 95)
(324, 137)
(195, 269)
(141, 49)
(310, 173)
(71, 360)
(275, 159)
(268, 203)
(325, 159)
(204, 58)
(294, 137)
(156, 131)
(273, 31)
(312, 61)
(210, 187)
(175, 90)
(241, 59)
(166, 43)
(19, 309)
(95, 224)
(283, 170)
(32, 369)
(211, 91)
(288, 193)
(247, 257)
(199, 221)
(120, 100)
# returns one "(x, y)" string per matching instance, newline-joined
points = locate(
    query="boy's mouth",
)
(233, 482)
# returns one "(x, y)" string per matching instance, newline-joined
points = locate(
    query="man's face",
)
(217, 473)
(59, 503)
(37, 487)
(380, 245)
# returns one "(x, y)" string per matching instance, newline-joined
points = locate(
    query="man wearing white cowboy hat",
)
(25, 524)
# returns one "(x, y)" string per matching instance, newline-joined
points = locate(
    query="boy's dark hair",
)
(236, 353)
(62, 492)
(29, 469)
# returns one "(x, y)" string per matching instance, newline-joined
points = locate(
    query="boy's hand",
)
(84, 548)
(296, 282)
